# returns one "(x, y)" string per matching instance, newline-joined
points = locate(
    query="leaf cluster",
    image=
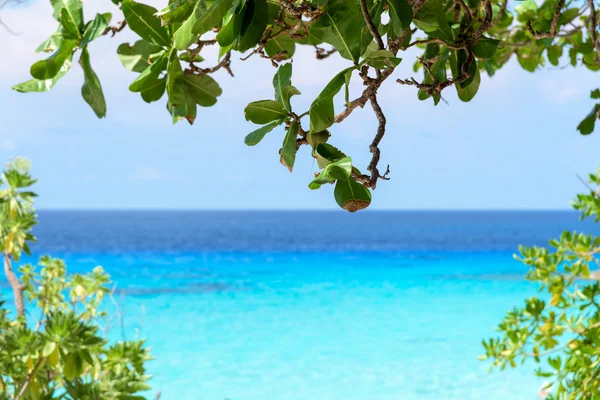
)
(560, 329)
(459, 41)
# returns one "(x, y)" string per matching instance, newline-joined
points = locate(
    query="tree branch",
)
(500, 13)
(593, 24)
(225, 63)
(553, 25)
(324, 53)
(436, 87)
(15, 285)
(466, 9)
(374, 147)
(451, 46)
(115, 29)
(487, 22)
(28, 379)
(365, 12)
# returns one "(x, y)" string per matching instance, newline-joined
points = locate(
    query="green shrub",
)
(58, 350)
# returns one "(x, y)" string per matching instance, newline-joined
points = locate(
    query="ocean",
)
(312, 305)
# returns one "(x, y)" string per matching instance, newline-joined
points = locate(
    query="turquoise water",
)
(248, 306)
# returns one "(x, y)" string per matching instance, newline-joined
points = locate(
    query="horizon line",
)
(143, 209)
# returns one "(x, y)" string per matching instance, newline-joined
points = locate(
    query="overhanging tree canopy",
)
(460, 40)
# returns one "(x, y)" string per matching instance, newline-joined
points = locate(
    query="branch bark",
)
(593, 24)
(15, 284)
(372, 28)
(487, 22)
(374, 147)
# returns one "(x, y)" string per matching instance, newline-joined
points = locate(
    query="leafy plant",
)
(459, 41)
(63, 354)
(559, 330)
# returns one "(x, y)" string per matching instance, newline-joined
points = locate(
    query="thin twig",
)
(500, 13)
(115, 29)
(28, 379)
(324, 53)
(225, 63)
(451, 46)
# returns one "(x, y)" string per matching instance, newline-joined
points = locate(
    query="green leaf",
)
(212, 17)
(351, 195)
(288, 148)
(264, 111)
(283, 46)
(70, 30)
(554, 54)
(282, 82)
(338, 170)
(175, 81)
(254, 137)
(141, 19)
(107, 17)
(382, 59)
(91, 91)
(48, 349)
(147, 79)
(317, 138)
(48, 68)
(50, 44)
(37, 85)
(595, 94)
(586, 126)
(155, 92)
(401, 15)
(568, 15)
(529, 58)
(526, 10)
(185, 57)
(232, 25)
(182, 103)
(255, 21)
(204, 89)
(184, 36)
(94, 30)
(485, 47)
(340, 26)
(467, 89)
(431, 18)
(139, 56)
(74, 10)
(73, 367)
(186, 109)
(176, 11)
(321, 110)
(325, 154)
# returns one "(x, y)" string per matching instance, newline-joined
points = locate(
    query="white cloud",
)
(147, 173)
(560, 91)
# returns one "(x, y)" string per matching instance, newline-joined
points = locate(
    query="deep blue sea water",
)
(313, 305)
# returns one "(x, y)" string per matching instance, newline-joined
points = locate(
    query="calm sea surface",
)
(313, 305)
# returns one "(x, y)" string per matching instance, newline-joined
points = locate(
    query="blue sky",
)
(513, 147)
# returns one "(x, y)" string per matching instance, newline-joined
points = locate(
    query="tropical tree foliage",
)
(459, 41)
(560, 330)
(59, 350)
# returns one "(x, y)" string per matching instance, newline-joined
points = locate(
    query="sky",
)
(514, 146)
